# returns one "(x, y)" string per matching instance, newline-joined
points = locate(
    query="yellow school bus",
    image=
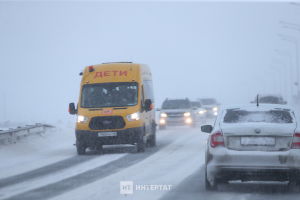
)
(115, 106)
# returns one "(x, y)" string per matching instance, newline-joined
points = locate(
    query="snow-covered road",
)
(47, 167)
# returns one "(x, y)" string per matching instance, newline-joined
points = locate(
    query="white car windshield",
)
(244, 116)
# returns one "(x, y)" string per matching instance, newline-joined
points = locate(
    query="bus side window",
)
(142, 99)
(148, 90)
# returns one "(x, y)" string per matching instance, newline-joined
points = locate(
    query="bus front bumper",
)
(107, 137)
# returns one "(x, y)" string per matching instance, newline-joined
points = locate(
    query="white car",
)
(253, 143)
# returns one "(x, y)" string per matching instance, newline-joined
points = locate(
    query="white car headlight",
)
(188, 120)
(134, 116)
(201, 112)
(163, 115)
(162, 121)
(82, 119)
(187, 114)
(215, 109)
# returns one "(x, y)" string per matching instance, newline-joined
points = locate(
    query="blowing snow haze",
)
(194, 49)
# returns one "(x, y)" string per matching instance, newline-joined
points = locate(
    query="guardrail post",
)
(12, 135)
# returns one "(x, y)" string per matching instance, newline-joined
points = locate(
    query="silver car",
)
(176, 112)
(253, 143)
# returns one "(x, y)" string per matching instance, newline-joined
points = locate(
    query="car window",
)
(243, 116)
(176, 104)
(270, 99)
(208, 101)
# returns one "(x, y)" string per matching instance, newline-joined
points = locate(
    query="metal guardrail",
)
(12, 135)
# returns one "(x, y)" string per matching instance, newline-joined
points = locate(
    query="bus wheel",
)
(80, 147)
(141, 145)
(152, 139)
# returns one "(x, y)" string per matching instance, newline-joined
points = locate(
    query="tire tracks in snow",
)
(42, 171)
(57, 188)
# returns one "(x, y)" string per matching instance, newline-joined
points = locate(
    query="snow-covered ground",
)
(36, 151)
(47, 167)
(169, 166)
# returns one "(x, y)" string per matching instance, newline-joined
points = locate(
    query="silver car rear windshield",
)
(271, 116)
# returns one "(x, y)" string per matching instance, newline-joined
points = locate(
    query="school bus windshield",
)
(109, 95)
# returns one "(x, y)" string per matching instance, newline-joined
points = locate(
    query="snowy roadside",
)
(50, 178)
(36, 151)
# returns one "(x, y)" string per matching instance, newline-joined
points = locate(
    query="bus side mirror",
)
(148, 105)
(72, 109)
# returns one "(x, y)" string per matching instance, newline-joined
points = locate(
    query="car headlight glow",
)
(187, 114)
(201, 112)
(164, 115)
(188, 120)
(82, 119)
(162, 121)
(215, 109)
(134, 116)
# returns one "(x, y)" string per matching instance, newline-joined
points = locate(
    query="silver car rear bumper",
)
(252, 165)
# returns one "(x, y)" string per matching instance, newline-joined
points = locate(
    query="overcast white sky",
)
(195, 49)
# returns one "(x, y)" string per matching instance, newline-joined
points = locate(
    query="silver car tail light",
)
(296, 141)
(217, 139)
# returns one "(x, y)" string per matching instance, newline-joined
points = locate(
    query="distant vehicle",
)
(251, 143)
(115, 107)
(199, 112)
(210, 107)
(196, 104)
(176, 112)
(269, 99)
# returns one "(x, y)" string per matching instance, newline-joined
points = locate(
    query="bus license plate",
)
(107, 134)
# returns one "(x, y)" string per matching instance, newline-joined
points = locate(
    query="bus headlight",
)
(82, 119)
(187, 114)
(134, 117)
(163, 115)
(215, 109)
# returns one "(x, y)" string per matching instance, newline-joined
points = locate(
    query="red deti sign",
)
(110, 73)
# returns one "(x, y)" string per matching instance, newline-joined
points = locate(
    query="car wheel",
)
(81, 148)
(208, 185)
